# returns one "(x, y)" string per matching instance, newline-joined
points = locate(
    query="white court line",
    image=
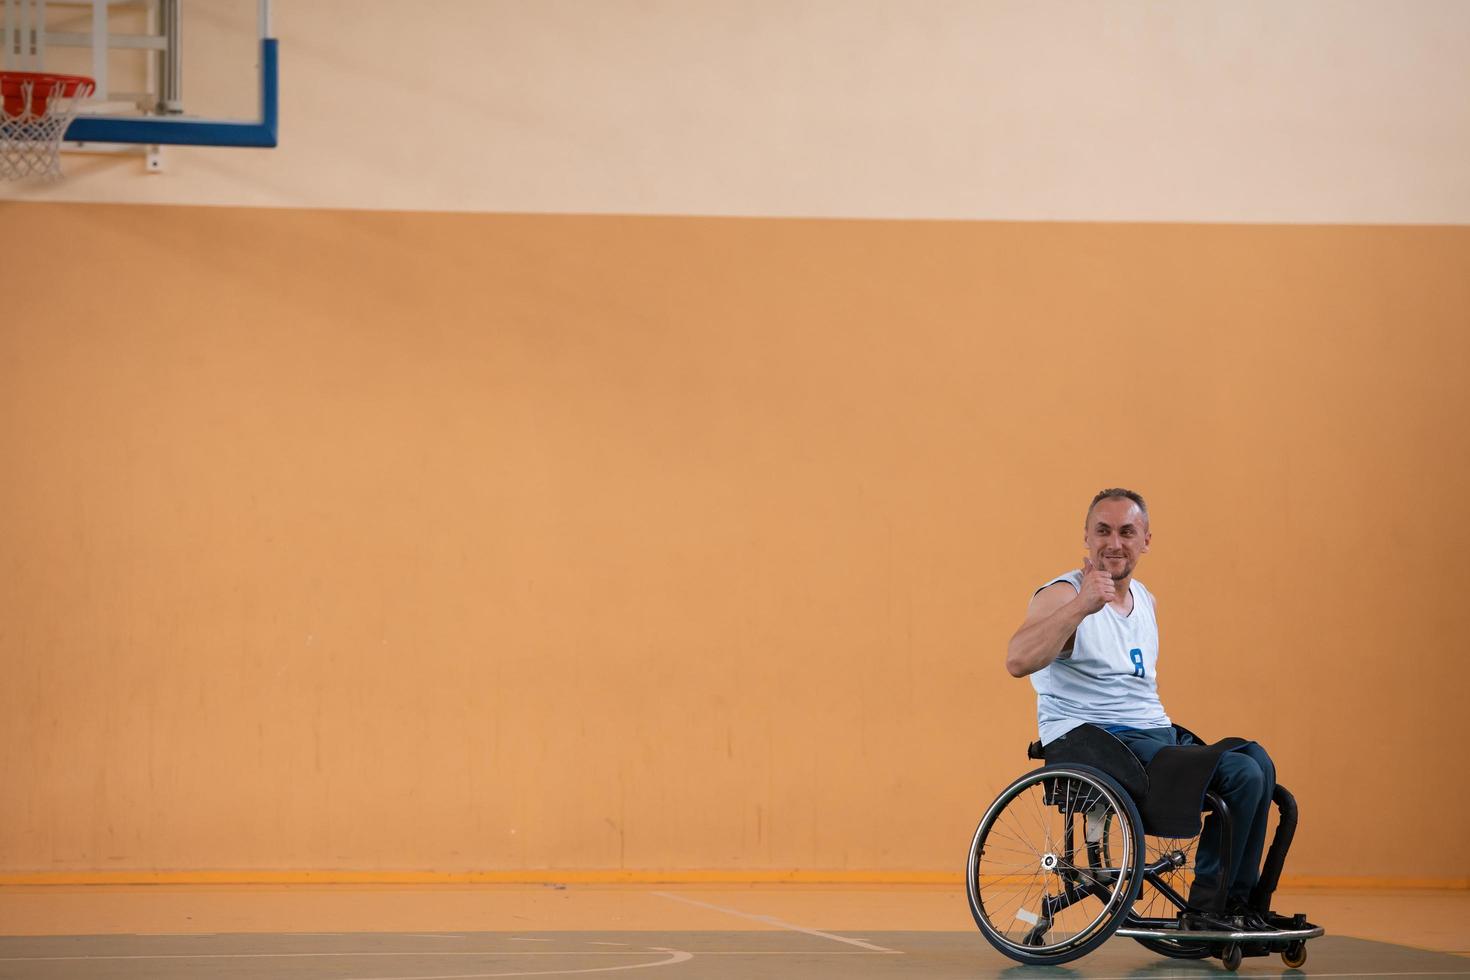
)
(292, 956)
(801, 952)
(773, 921)
(675, 956)
(509, 952)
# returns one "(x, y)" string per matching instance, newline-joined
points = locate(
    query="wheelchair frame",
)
(1097, 795)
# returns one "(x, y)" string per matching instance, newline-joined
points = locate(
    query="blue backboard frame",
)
(194, 132)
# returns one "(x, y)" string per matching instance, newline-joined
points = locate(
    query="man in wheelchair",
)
(1090, 645)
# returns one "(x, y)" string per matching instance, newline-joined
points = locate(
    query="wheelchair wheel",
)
(1179, 876)
(1232, 956)
(1055, 864)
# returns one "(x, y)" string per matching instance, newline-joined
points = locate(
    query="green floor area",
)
(658, 955)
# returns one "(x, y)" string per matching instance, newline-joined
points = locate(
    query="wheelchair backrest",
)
(1089, 745)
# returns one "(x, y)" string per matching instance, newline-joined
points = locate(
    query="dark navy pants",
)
(1245, 779)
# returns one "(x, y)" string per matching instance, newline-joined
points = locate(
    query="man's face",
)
(1117, 534)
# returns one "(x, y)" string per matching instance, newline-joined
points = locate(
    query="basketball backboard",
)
(183, 72)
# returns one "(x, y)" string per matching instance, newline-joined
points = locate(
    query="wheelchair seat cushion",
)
(1177, 779)
(1169, 792)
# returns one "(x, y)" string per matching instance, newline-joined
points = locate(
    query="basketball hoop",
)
(35, 109)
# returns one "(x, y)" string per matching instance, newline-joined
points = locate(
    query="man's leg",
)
(1244, 780)
(1249, 865)
(1146, 742)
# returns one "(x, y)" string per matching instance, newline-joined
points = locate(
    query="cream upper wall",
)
(1330, 111)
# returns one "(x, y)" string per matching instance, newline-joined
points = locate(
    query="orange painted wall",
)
(344, 540)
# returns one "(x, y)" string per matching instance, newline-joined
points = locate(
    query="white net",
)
(34, 113)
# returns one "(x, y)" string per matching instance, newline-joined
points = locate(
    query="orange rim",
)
(44, 86)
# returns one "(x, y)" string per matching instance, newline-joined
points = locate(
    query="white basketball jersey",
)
(1110, 676)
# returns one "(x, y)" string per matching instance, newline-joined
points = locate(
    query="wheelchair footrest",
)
(1272, 936)
(1297, 921)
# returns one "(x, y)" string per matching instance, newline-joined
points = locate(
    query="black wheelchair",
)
(1061, 859)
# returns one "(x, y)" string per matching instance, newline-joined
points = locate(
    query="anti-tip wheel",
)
(1294, 955)
(1232, 956)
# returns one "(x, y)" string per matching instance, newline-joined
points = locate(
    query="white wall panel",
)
(1321, 111)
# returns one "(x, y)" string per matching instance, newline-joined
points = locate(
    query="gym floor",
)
(699, 932)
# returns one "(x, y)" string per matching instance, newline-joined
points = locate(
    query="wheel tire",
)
(1232, 956)
(1295, 954)
(1080, 790)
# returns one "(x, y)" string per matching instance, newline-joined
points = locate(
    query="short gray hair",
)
(1117, 493)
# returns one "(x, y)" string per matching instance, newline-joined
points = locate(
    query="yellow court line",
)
(507, 877)
(1372, 881)
(616, 877)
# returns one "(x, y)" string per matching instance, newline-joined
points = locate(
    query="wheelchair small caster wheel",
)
(1295, 954)
(1232, 956)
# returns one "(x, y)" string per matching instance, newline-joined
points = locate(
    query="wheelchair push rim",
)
(1055, 864)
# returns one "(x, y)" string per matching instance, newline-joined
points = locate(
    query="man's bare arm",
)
(1052, 620)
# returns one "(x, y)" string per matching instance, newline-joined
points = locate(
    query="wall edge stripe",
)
(619, 877)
